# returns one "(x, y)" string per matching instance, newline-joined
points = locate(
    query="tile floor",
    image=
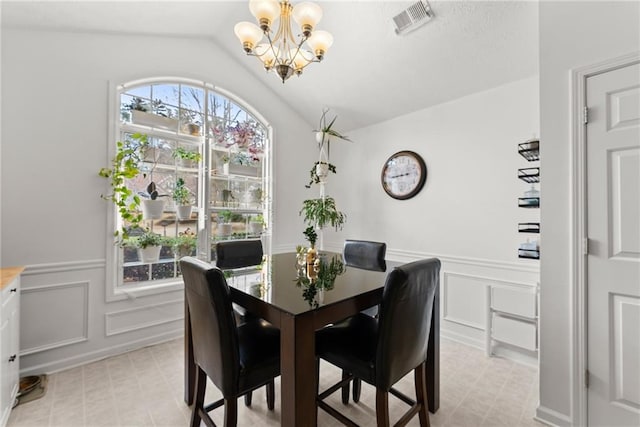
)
(145, 388)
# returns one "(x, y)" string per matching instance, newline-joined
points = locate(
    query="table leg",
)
(433, 357)
(189, 365)
(297, 372)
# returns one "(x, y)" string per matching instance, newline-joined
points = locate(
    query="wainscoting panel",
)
(132, 319)
(463, 300)
(56, 324)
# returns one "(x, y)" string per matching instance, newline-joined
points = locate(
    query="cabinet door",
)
(5, 380)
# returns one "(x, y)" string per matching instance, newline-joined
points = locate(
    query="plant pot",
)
(153, 120)
(255, 227)
(184, 212)
(152, 209)
(149, 254)
(224, 229)
(192, 129)
(243, 170)
(319, 136)
(183, 251)
(225, 169)
(322, 170)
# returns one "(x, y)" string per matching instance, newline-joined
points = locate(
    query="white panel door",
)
(613, 264)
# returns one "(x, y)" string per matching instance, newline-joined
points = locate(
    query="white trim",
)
(84, 285)
(63, 267)
(578, 230)
(552, 418)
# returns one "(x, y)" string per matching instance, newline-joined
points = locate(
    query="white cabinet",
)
(9, 339)
(512, 317)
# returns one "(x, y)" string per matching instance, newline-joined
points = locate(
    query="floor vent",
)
(413, 17)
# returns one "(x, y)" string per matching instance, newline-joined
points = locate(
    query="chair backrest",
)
(405, 320)
(215, 337)
(238, 253)
(365, 254)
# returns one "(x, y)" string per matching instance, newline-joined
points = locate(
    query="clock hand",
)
(398, 176)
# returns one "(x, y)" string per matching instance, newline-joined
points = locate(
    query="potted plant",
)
(182, 197)
(240, 163)
(152, 205)
(186, 158)
(149, 245)
(322, 212)
(224, 223)
(190, 122)
(256, 224)
(184, 244)
(319, 172)
(125, 166)
(153, 113)
(325, 133)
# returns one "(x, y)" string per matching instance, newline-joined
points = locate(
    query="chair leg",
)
(230, 412)
(345, 388)
(357, 386)
(421, 394)
(247, 398)
(382, 408)
(271, 395)
(198, 399)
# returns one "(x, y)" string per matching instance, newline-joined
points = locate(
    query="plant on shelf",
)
(322, 212)
(184, 244)
(319, 172)
(256, 224)
(247, 136)
(189, 156)
(191, 123)
(125, 165)
(224, 223)
(152, 206)
(149, 245)
(182, 197)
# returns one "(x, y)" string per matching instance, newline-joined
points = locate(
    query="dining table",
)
(278, 292)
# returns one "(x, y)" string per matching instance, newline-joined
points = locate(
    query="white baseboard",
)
(552, 418)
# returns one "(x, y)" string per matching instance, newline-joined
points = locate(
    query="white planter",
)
(153, 120)
(152, 209)
(225, 169)
(255, 227)
(224, 229)
(149, 254)
(319, 136)
(322, 170)
(184, 212)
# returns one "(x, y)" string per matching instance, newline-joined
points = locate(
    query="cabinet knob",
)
(13, 290)
(12, 358)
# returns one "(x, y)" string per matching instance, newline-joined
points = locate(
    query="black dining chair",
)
(237, 359)
(234, 254)
(365, 254)
(382, 351)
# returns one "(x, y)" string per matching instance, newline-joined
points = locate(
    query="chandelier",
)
(284, 53)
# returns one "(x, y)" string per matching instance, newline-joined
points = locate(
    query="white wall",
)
(54, 140)
(572, 35)
(467, 214)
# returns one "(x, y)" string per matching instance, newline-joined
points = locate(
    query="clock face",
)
(403, 175)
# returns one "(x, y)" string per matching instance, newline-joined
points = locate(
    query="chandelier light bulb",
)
(249, 35)
(265, 11)
(307, 15)
(267, 54)
(299, 59)
(320, 42)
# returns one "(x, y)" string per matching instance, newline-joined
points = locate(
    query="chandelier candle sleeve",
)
(282, 52)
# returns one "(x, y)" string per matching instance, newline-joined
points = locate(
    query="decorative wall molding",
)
(84, 334)
(552, 418)
(147, 316)
(63, 267)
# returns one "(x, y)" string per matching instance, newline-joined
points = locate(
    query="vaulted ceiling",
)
(369, 75)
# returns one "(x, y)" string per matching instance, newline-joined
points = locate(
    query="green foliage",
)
(124, 166)
(322, 212)
(327, 129)
(184, 242)
(181, 193)
(315, 179)
(257, 218)
(310, 235)
(328, 272)
(225, 216)
(146, 239)
(183, 153)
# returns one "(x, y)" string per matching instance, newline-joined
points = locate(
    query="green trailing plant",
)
(322, 212)
(181, 193)
(240, 158)
(184, 243)
(183, 153)
(311, 235)
(225, 216)
(125, 166)
(313, 173)
(257, 218)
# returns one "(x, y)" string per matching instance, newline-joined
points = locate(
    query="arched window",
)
(203, 174)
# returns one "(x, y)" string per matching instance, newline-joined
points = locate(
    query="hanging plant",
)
(322, 212)
(325, 132)
(319, 172)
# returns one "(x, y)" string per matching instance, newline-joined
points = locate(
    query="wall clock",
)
(403, 175)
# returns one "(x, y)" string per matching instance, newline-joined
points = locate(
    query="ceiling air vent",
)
(413, 17)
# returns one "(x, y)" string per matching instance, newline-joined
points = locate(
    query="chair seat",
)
(350, 344)
(259, 351)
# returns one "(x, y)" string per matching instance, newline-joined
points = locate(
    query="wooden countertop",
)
(7, 275)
